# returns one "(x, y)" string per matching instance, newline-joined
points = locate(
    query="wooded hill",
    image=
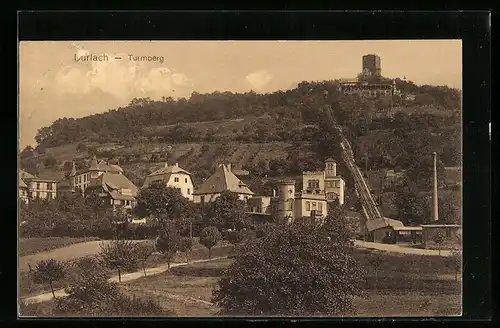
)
(279, 133)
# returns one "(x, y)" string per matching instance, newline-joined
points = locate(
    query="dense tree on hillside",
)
(27, 152)
(165, 204)
(227, 211)
(301, 104)
(293, 270)
(411, 205)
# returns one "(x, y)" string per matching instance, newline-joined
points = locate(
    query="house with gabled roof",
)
(116, 190)
(172, 176)
(80, 179)
(37, 187)
(221, 180)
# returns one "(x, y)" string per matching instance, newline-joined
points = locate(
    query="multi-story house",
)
(38, 188)
(80, 179)
(222, 179)
(116, 190)
(172, 176)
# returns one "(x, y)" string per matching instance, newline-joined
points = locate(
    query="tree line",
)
(302, 104)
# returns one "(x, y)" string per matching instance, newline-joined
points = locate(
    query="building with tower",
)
(370, 83)
(317, 190)
(371, 65)
(334, 184)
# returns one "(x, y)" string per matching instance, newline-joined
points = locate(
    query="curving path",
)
(125, 277)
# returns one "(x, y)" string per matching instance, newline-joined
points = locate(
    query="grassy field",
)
(406, 285)
(28, 288)
(419, 286)
(28, 246)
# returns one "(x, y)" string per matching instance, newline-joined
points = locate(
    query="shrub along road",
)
(125, 277)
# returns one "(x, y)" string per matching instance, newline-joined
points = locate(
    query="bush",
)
(90, 293)
(295, 270)
(133, 306)
(235, 237)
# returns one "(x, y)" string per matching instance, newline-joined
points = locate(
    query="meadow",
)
(405, 285)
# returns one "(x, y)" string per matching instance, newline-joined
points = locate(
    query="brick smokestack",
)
(435, 211)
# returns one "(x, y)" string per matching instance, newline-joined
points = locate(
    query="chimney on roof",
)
(229, 167)
(274, 192)
(176, 164)
(166, 164)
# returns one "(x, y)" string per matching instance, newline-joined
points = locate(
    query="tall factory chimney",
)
(435, 212)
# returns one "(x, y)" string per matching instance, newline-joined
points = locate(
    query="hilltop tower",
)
(286, 197)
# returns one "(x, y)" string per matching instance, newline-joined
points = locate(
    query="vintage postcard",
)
(240, 178)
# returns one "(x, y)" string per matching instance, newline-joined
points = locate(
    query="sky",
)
(53, 84)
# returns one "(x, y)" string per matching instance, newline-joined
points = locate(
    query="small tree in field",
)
(47, 272)
(375, 261)
(119, 255)
(185, 246)
(439, 240)
(454, 261)
(144, 251)
(168, 243)
(294, 270)
(209, 237)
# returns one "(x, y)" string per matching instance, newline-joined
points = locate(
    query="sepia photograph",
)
(240, 178)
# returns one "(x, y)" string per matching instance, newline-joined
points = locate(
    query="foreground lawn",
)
(406, 285)
(28, 246)
(28, 288)
(410, 286)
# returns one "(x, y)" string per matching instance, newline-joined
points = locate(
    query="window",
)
(49, 186)
(37, 194)
(38, 185)
(314, 206)
(448, 233)
(308, 206)
(320, 206)
(202, 198)
(49, 195)
(186, 180)
(189, 191)
(176, 179)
